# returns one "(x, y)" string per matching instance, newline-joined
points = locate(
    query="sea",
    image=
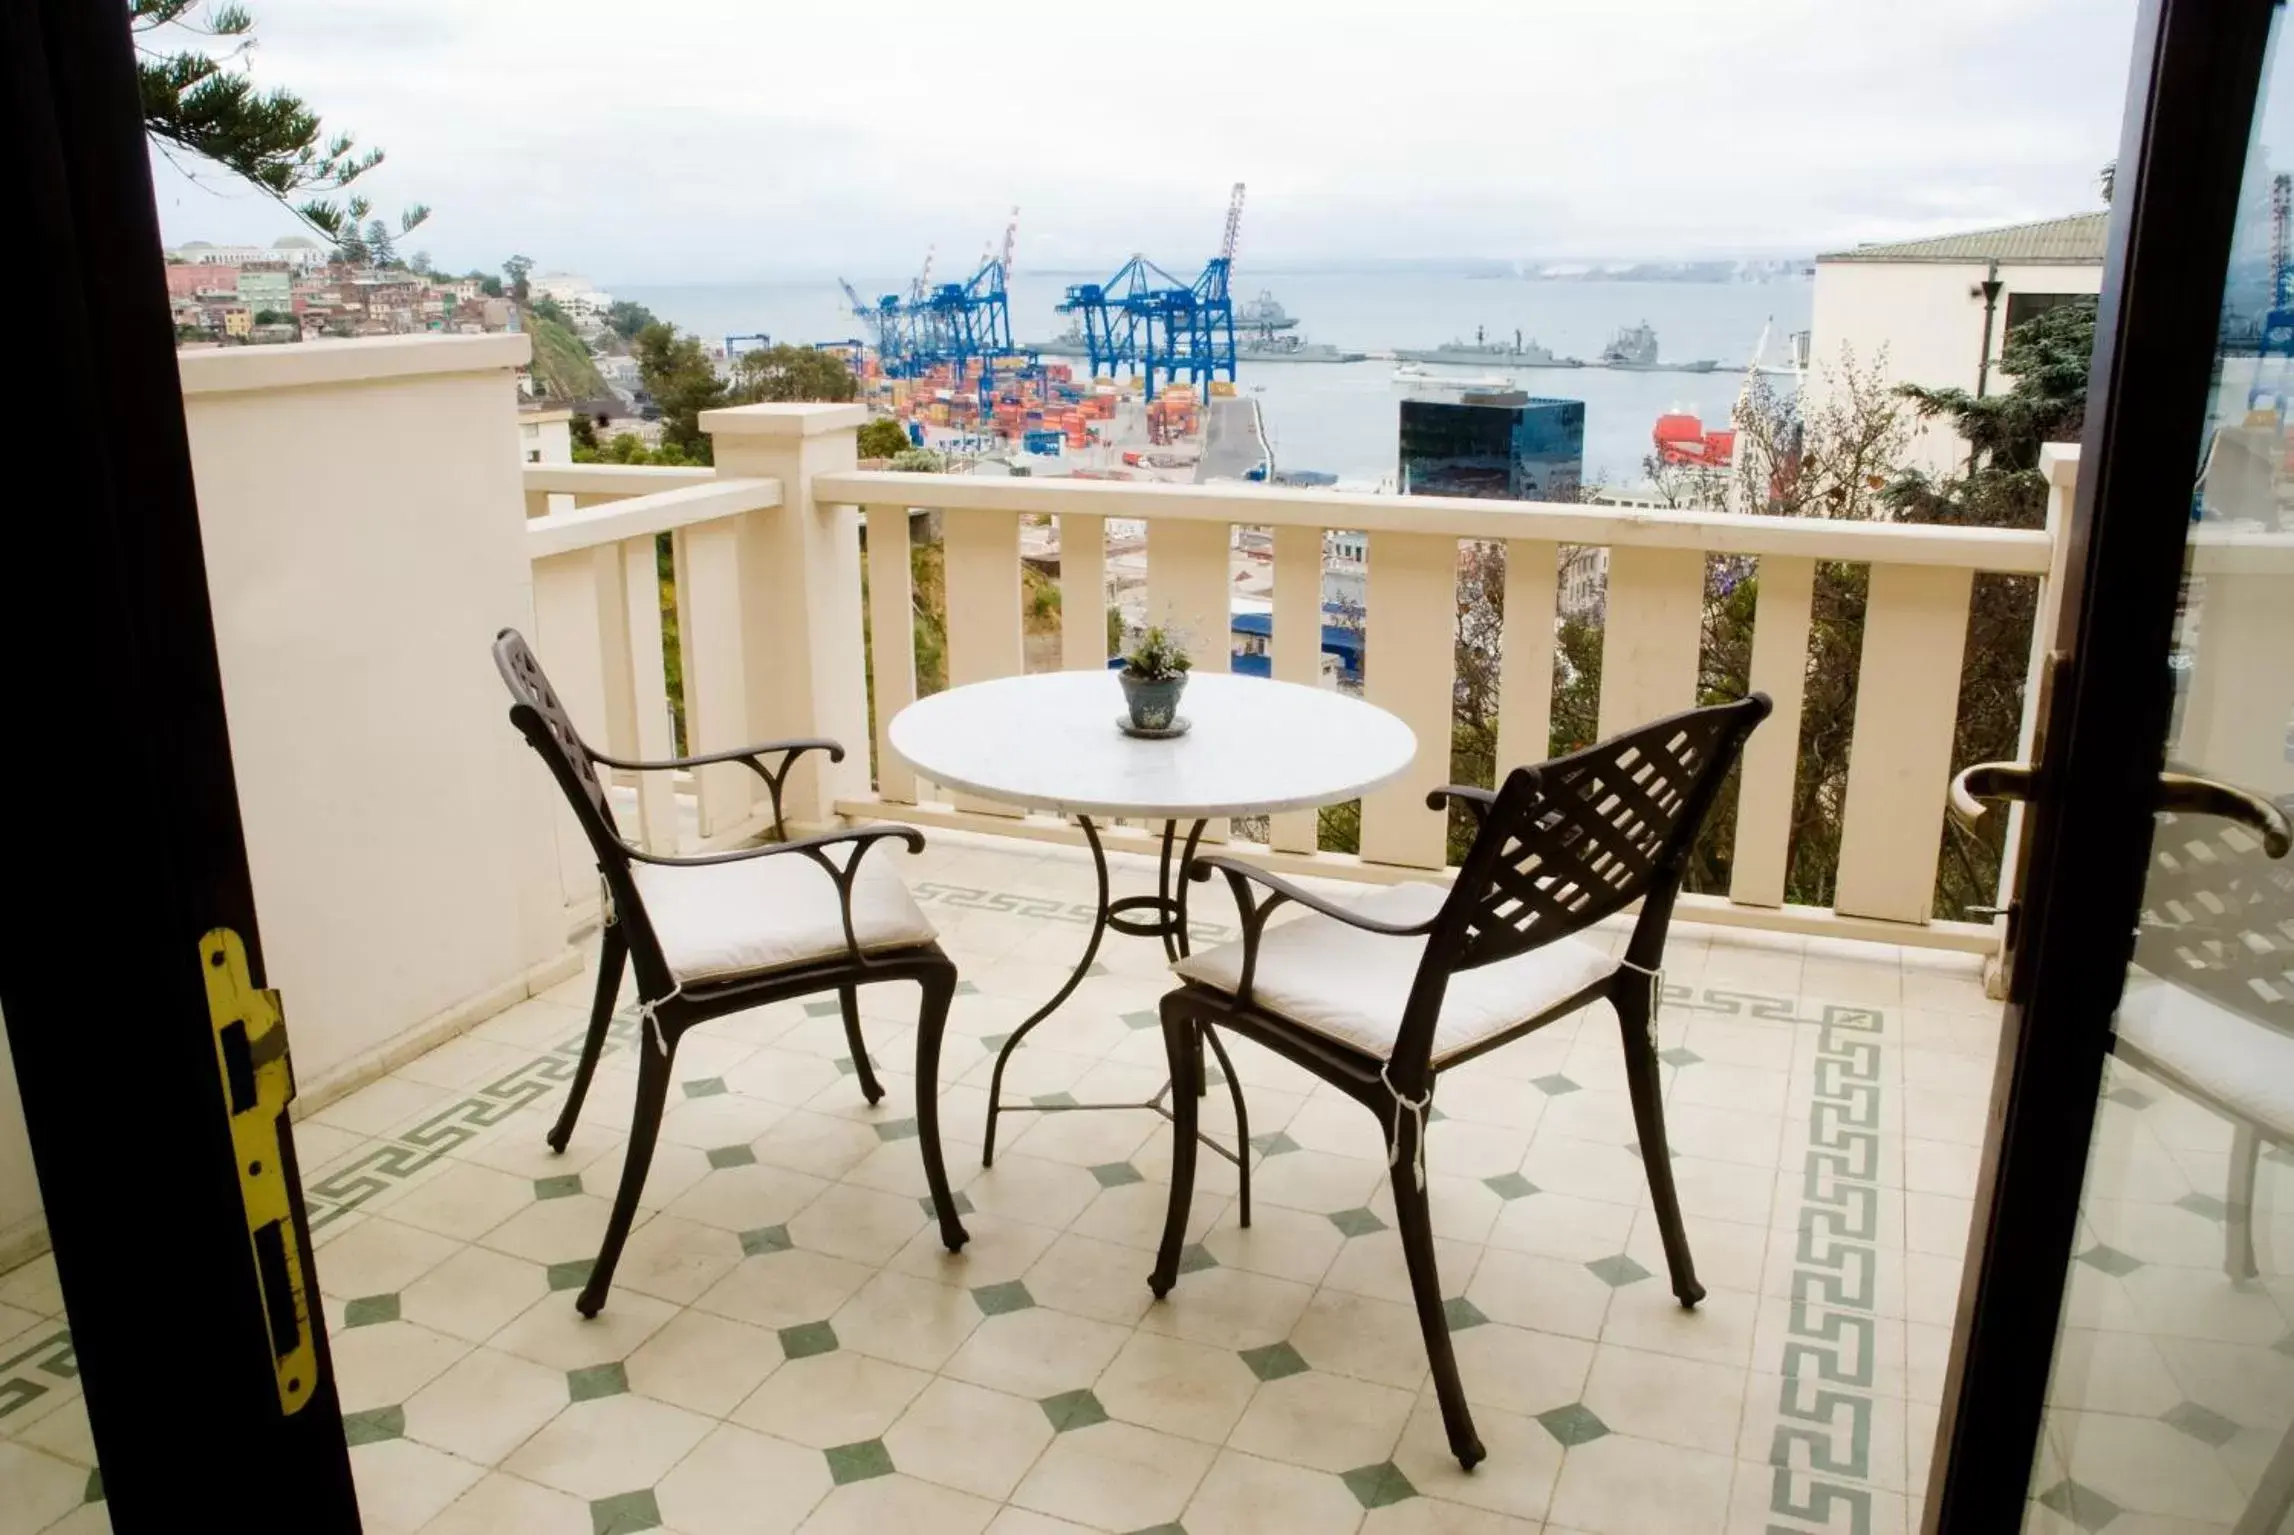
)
(1343, 418)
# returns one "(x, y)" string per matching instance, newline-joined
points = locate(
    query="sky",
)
(736, 140)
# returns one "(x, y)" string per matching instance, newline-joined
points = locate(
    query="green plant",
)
(1160, 655)
(883, 437)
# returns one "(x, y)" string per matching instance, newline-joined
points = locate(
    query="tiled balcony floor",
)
(788, 1347)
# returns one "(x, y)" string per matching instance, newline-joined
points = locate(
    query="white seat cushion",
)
(720, 920)
(1351, 986)
(2248, 1066)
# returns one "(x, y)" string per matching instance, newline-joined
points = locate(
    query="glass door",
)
(2125, 1359)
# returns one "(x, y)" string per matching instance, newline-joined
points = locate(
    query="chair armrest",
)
(751, 757)
(861, 839)
(1478, 800)
(1241, 876)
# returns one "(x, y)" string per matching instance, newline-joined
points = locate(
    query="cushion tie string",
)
(650, 1012)
(1656, 977)
(1418, 1108)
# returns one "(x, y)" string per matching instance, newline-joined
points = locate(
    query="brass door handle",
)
(2180, 792)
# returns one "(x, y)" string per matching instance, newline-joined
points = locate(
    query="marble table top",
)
(1050, 742)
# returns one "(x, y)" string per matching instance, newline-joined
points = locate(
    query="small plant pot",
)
(1154, 705)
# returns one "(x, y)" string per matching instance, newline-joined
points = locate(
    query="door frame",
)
(207, 1388)
(2191, 109)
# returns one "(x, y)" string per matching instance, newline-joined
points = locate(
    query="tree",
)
(195, 102)
(488, 284)
(625, 319)
(677, 375)
(516, 270)
(883, 437)
(787, 373)
(419, 264)
(550, 310)
(379, 248)
(350, 246)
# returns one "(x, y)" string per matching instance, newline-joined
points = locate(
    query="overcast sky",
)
(717, 140)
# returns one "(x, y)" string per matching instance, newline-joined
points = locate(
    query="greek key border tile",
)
(21, 1374)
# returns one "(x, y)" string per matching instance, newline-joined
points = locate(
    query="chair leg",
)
(1638, 1032)
(613, 952)
(848, 1001)
(1242, 1118)
(931, 1024)
(1182, 1046)
(644, 1130)
(2238, 1216)
(1417, 1229)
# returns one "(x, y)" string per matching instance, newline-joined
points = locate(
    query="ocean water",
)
(1342, 418)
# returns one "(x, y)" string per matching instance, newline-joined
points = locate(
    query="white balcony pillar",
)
(803, 658)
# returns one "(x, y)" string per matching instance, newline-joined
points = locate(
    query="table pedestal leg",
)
(1169, 923)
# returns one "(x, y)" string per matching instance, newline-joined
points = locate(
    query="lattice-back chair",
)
(2214, 1019)
(1380, 995)
(719, 933)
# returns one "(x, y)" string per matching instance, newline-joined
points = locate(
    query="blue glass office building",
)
(1497, 446)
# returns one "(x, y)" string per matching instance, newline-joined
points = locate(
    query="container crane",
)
(2271, 390)
(1152, 322)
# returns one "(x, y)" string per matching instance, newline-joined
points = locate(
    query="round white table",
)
(1050, 742)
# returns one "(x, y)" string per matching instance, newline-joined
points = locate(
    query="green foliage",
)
(488, 284)
(626, 448)
(195, 100)
(515, 271)
(273, 317)
(785, 373)
(562, 365)
(917, 461)
(419, 264)
(379, 247)
(551, 310)
(583, 431)
(883, 437)
(1160, 655)
(678, 376)
(1114, 630)
(626, 319)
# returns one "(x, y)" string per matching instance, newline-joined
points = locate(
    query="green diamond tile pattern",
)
(2083, 1506)
(859, 1462)
(997, 1299)
(1145, 1018)
(1379, 1485)
(625, 1513)
(561, 1186)
(1357, 1222)
(1459, 1314)
(1617, 1271)
(2284, 1346)
(2132, 1097)
(1072, 1409)
(1114, 1175)
(1510, 1186)
(1275, 1361)
(722, 1157)
(1274, 1144)
(1553, 1085)
(367, 1310)
(95, 1491)
(966, 989)
(993, 1042)
(1054, 1100)
(845, 1068)
(374, 1425)
(705, 1087)
(895, 1129)
(827, 1009)
(2112, 1262)
(2200, 1422)
(2204, 1205)
(961, 1200)
(572, 1274)
(1573, 1425)
(1679, 1055)
(807, 1339)
(597, 1380)
(1195, 1257)
(765, 1239)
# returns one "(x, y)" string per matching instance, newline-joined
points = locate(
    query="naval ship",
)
(1256, 348)
(1481, 352)
(1634, 350)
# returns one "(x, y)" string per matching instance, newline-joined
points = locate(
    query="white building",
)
(575, 295)
(297, 251)
(1917, 307)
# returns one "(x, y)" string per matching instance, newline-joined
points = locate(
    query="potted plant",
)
(1154, 675)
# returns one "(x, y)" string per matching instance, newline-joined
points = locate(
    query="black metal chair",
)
(719, 933)
(1379, 996)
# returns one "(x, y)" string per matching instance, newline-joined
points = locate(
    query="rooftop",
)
(2074, 241)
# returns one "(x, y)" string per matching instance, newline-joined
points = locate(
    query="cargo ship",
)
(1634, 350)
(1483, 352)
(1256, 348)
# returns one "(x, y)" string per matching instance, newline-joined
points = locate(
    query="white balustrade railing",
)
(768, 593)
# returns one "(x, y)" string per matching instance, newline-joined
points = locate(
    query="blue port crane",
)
(1154, 324)
(2271, 389)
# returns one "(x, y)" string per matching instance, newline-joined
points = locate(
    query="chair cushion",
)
(1351, 986)
(2247, 1066)
(721, 920)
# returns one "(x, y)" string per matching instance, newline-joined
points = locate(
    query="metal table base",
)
(1167, 920)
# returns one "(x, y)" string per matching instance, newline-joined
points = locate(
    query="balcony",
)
(787, 1345)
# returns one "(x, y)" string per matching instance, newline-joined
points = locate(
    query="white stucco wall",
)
(1917, 318)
